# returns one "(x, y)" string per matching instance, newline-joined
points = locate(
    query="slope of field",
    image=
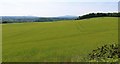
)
(57, 41)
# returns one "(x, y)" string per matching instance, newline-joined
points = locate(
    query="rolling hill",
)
(61, 41)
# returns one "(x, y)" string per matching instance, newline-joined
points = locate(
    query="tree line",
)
(92, 15)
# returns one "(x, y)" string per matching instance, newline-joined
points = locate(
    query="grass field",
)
(60, 41)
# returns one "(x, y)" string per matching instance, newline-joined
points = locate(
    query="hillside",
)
(67, 40)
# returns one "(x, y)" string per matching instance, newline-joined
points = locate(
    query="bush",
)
(106, 53)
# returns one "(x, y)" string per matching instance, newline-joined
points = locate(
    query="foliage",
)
(106, 53)
(93, 15)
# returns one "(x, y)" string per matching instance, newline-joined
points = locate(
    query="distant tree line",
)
(21, 19)
(93, 15)
(44, 19)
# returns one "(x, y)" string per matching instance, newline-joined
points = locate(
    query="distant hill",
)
(10, 19)
(13, 19)
(68, 16)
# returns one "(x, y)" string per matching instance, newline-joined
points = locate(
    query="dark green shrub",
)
(106, 53)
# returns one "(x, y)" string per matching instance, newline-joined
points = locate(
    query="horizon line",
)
(60, 15)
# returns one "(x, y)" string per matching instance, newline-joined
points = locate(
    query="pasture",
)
(59, 41)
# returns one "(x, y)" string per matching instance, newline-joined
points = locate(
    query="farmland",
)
(60, 41)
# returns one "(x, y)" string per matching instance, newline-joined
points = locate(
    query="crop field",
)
(59, 41)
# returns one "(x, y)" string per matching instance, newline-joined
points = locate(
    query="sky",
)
(52, 8)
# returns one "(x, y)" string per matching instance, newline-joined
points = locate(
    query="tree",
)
(92, 15)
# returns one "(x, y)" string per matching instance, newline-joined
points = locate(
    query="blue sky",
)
(50, 8)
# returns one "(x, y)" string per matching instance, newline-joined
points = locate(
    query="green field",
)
(60, 41)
